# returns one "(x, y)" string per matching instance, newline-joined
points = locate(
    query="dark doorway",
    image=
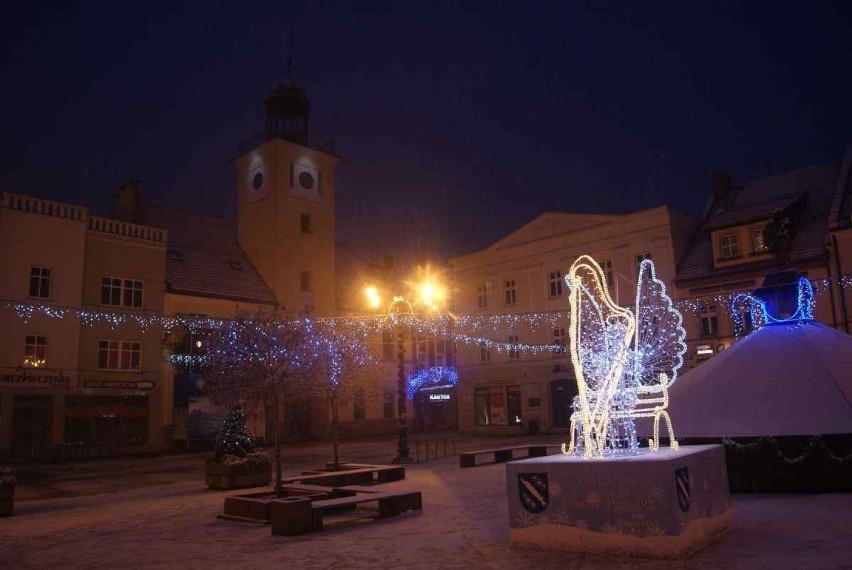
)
(31, 426)
(562, 394)
(436, 410)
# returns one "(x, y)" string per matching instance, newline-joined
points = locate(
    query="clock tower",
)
(285, 211)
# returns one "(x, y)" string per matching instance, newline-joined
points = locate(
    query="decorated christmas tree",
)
(234, 439)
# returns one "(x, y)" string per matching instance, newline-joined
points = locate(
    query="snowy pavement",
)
(156, 513)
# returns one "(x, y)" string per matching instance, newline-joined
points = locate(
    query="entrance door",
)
(562, 394)
(31, 427)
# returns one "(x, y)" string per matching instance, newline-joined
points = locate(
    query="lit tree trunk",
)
(334, 422)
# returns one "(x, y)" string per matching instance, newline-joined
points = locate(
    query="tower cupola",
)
(287, 110)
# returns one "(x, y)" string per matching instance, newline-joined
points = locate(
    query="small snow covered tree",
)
(234, 439)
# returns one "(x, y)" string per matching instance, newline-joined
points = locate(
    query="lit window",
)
(121, 292)
(35, 351)
(729, 245)
(119, 355)
(555, 282)
(559, 339)
(639, 259)
(387, 344)
(484, 353)
(40, 282)
(709, 321)
(482, 296)
(606, 266)
(513, 354)
(513, 405)
(510, 292)
(758, 245)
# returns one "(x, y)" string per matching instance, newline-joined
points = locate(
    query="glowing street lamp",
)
(431, 294)
(373, 298)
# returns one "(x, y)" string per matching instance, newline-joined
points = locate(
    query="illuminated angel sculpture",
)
(624, 361)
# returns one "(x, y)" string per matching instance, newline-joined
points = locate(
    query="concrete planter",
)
(7, 500)
(238, 476)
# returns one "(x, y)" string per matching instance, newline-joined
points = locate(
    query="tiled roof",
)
(204, 258)
(756, 200)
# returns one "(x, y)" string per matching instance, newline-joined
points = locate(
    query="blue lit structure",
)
(435, 377)
(756, 307)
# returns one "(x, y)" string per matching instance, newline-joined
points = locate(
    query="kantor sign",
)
(624, 361)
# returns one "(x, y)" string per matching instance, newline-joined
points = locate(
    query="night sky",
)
(456, 124)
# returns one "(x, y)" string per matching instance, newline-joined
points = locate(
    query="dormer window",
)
(729, 245)
(758, 244)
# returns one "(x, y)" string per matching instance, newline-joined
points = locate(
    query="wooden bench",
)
(358, 476)
(501, 455)
(292, 516)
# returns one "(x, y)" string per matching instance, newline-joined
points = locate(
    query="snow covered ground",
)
(156, 513)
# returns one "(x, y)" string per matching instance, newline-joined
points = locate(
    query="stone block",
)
(664, 504)
(292, 516)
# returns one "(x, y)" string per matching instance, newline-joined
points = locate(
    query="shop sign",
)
(120, 384)
(43, 380)
(439, 397)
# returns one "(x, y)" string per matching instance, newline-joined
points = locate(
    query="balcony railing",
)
(126, 229)
(43, 207)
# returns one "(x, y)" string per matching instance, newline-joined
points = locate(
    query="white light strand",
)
(617, 384)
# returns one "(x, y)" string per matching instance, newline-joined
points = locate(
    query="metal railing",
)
(431, 449)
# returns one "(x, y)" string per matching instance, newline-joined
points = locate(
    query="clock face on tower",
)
(305, 182)
(256, 184)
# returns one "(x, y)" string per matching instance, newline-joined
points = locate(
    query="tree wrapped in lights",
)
(262, 361)
(346, 359)
(234, 438)
(624, 360)
(268, 361)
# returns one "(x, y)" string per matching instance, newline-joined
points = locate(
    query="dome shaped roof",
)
(783, 379)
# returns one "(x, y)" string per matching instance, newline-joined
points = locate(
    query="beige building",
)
(68, 387)
(729, 254)
(516, 392)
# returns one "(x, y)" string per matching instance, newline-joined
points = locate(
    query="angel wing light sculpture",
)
(624, 361)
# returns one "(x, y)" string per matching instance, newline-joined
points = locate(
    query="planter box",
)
(225, 477)
(7, 501)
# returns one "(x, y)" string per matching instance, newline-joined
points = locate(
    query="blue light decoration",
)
(437, 376)
(748, 304)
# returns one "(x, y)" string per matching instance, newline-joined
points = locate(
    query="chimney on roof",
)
(127, 203)
(721, 185)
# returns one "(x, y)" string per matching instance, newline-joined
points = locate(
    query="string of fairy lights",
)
(472, 329)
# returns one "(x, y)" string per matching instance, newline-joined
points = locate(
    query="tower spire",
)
(290, 56)
(287, 108)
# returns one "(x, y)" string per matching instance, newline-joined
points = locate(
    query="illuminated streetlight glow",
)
(373, 297)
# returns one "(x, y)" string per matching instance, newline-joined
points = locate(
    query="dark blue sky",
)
(457, 124)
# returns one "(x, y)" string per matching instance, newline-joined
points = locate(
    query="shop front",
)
(434, 396)
(49, 416)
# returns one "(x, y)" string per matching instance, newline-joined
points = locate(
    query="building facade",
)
(732, 251)
(69, 386)
(522, 274)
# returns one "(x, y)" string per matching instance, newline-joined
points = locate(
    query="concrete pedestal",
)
(664, 504)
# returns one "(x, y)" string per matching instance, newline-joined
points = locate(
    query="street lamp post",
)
(431, 294)
(397, 307)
